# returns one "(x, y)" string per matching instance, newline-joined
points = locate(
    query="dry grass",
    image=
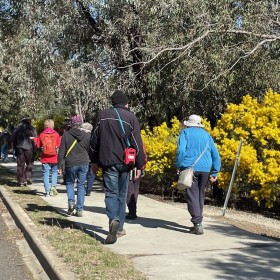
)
(87, 257)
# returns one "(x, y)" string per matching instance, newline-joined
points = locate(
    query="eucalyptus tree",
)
(177, 57)
(51, 60)
(173, 57)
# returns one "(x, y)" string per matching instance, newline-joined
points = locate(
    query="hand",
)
(31, 137)
(94, 167)
(213, 179)
(137, 175)
(59, 171)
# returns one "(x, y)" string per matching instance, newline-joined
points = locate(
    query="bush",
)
(257, 124)
(160, 142)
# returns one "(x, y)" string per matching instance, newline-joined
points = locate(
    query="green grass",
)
(86, 256)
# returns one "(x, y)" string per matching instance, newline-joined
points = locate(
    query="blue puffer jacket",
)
(191, 143)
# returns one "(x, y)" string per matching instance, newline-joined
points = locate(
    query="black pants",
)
(196, 196)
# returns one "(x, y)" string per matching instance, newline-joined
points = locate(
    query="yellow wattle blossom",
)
(257, 124)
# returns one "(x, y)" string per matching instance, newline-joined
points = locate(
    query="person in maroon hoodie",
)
(49, 142)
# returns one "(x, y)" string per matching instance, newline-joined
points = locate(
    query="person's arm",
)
(181, 149)
(62, 150)
(137, 144)
(94, 144)
(216, 161)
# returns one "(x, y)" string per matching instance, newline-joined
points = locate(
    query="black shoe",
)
(197, 229)
(28, 181)
(88, 194)
(131, 216)
(113, 229)
(71, 209)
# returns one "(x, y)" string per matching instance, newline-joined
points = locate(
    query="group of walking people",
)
(114, 145)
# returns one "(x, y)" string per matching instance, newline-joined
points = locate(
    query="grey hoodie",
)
(79, 153)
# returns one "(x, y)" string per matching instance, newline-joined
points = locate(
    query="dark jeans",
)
(196, 196)
(115, 181)
(90, 180)
(132, 196)
(24, 165)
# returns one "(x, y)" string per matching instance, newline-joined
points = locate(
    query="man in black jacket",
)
(107, 145)
(74, 149)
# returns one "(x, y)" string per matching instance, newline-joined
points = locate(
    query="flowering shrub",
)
(257, 124)
(160, 142)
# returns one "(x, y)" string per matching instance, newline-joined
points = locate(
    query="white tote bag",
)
(185, 179)
(186, 176)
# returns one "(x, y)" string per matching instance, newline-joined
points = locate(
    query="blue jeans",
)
(115, 182)
(71, 173)
(47, 169)
(90, 180)
(4, 152)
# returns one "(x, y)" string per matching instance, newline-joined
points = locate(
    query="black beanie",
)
(119, 97)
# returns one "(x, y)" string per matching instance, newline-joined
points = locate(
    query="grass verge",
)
(86, 257)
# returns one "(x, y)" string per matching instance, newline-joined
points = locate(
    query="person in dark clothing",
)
(74, 149)
(107, 145)
(25, 150)
(133, 192)
(4, 144)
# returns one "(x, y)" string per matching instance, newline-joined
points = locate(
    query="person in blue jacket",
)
(193, 141)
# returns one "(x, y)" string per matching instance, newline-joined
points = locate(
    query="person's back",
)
(22, 139)
(48, 142)
(112, 139)
(74, 149)
(192, 142)
(115, 129)
(196, 149)
(21, 136)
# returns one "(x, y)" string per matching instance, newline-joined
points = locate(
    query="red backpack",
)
(49, 144)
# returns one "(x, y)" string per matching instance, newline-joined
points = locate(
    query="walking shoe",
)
(25, 184)
(79, 213)
(121, 233)
(131, 216)
(112, 236)
(197, 229)
(54, 191)
(87, 194)
(21, 184)
(71, 209)
(28, 181)
(48, 194)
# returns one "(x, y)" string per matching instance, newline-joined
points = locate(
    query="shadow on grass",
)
(86, 228)
(39, 208)
(24, 191)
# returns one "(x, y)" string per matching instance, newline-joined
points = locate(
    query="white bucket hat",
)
(193, 120)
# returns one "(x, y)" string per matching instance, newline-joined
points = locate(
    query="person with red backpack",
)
(49, 142)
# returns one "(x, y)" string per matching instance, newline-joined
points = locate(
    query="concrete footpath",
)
(161, 246)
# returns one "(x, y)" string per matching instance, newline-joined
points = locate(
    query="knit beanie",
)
(76, 121)
(119, 97)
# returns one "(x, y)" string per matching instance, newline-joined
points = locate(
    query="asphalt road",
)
(12, 265)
